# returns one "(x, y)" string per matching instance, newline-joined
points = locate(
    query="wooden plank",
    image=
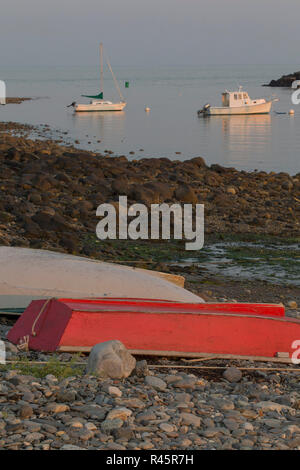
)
(137, 352)
(271, 369)
(173, 278)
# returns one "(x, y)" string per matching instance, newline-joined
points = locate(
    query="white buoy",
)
(147, 109)
(291, 112)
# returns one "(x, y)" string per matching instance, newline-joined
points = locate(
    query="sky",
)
(150, 32)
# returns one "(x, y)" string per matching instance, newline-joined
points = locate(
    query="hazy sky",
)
(150, 32)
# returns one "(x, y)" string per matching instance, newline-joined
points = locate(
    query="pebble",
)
(26, 411)
(120, 413)
(190, 419)
(156, 383)
(57, 407)
(232, 374)
(114, 391)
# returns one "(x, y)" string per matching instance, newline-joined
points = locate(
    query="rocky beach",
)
(49, 196)
(53, 407)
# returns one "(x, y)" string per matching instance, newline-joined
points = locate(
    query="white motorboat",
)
(238, 102)
(97, 102)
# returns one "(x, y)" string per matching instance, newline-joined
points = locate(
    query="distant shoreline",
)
(285, 81)
(16, 100)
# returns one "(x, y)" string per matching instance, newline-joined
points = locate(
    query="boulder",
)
(110, 360)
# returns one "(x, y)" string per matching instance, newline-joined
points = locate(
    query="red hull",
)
(158, 326)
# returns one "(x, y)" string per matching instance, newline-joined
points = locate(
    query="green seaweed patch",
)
(54, 367)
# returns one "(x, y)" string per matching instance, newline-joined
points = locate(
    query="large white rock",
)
(110, 360)
(27, 274)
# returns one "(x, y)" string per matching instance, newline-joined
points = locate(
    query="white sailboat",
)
(98, 103)
(238, 102)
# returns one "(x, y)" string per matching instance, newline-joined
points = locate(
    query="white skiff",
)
(27, 274)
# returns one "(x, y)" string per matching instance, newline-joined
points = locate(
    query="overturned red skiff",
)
(158, 327)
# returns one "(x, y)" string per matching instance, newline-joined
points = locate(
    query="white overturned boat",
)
(238, 102)
(98, 103)
(27, 274)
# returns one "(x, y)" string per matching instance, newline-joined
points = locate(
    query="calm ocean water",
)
(174, 94)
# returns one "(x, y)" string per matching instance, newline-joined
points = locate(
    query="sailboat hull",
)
(91, 107)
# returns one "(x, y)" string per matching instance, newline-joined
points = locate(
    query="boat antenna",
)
(101, 68)
(115, 80)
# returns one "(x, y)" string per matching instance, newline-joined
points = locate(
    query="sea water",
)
(171, 128)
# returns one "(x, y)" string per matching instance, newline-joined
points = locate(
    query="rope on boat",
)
(23, 344)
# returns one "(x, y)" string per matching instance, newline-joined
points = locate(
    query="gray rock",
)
(232, 374)
(185, 383)
(114, 391)
(25, 412)
(110, 360)
(141, 368)
(110, 425)
(124, 434)
(166, 427)
(271, 406)
(56, 408)
(120, 413)
(71, 447)
(34, 436)
(148, 415)
(156, 383)
(190, 419)
(93, 411)
(65, 396)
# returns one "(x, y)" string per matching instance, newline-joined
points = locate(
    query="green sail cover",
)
(97, 97)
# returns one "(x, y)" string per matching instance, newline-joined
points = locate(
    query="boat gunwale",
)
(242, 106)
(217, 314)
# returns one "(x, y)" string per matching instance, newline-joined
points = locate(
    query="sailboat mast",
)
(101, 67)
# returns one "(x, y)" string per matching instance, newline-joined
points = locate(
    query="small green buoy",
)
(126, 84)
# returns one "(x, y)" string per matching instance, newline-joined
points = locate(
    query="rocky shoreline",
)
(16, 100)
(50, 192)
(285, 80)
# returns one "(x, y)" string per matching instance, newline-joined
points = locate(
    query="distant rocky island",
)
(285, 80)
